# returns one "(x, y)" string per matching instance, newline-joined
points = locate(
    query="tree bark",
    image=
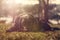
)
(43, 15)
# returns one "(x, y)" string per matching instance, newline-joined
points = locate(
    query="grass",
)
(48, 35)
(22, 36)
(4, 27)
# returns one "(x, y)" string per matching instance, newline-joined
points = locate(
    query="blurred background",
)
(10, 9)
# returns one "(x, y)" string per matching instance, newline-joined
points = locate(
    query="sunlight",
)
(9, 1)
(55, 1)
(12, 7)
(24, 2)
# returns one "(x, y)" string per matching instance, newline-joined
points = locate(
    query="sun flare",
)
(21, 1)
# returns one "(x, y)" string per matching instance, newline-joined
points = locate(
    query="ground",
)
(47, 35)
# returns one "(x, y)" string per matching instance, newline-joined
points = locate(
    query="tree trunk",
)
(43, 15)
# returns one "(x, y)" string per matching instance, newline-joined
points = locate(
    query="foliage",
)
(32, 9)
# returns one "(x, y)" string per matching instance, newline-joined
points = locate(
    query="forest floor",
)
(48, 35)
